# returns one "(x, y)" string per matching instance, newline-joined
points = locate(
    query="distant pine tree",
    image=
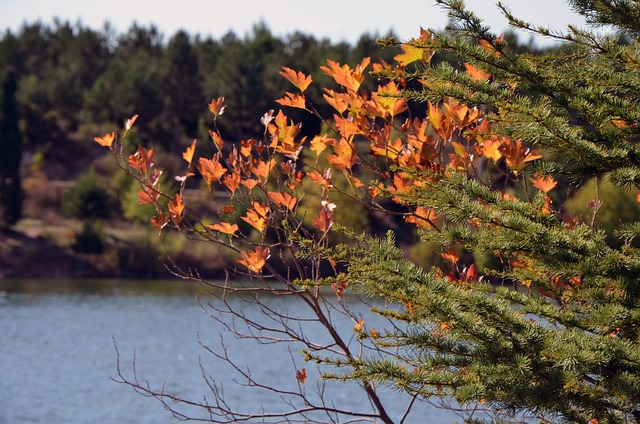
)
(11, 194)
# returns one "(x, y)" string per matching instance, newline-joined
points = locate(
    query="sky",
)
(338, 20)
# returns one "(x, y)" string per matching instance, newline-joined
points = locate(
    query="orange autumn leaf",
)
(129, 123)
(516, 155)
(475, 73)
(374, 190)
(319, 143)
(491, 149)
(292, 100)
(246, 146)
(281, 199)
(423, 218)
(336, 100)
(354, 181)
(217, 106)
(374, 333)
(232, 181)
(217, 140)
(211, 170)
(262, 168)
(400, 185)
(450, 256)
(412, 54)
(148, 196)
(176, 208)
(489, 48)
(257, 217)
(188, 153)
(224, 227)
(142, 159)
(344, 155)
(106, 140)
(249, 183)
(324, 181)
(388, 97)
(460, 159)
(543, 183)
(301, 375)
(160, 220)
(344, 75)
(471, 274)
(462, 115)
(323, 221)
(300, 80)
(255, 260)
(283, 136)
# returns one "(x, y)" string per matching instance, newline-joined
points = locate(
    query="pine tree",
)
(11, 194)
(553, 330)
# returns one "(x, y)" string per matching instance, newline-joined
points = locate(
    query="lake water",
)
(57, 355)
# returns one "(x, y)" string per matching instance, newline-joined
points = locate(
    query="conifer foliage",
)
(533, 314)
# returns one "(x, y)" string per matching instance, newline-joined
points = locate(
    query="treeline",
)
(74, 81)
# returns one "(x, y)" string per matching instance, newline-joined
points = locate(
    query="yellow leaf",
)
(412, 54)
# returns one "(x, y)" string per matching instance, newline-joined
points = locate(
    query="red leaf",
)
(160, 220)
(323, 221)
(301, 375)
(142, 160)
